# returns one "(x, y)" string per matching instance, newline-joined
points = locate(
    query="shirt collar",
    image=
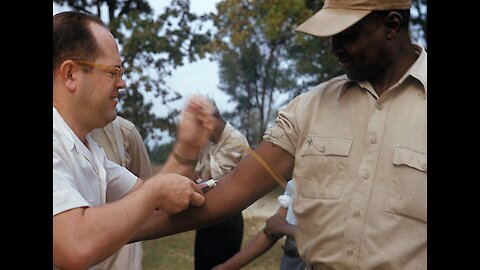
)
(417, 70)
(67, 137)
(62, 130)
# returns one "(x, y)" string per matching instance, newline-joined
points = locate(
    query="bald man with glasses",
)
(98, 205)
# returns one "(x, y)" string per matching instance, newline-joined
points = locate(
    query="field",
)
(176, 252)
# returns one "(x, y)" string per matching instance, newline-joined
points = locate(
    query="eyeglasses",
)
(115, 71)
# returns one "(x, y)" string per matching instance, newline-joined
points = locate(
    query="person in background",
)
(98, 205)
(355, 144)
(124, 145)
(226, 147)
(282, 223)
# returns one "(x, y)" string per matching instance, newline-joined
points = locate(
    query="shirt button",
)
(356, 213)
(373, 140)
(379, 106)
(349, 252)
(308, 142)
(365, 176)
(322, 149)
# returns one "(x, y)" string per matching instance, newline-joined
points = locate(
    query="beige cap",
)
(337, 15)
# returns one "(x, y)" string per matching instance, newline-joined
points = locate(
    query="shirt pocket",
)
(322, 166)
(409, 190)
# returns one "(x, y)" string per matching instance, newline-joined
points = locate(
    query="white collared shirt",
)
(83, 176)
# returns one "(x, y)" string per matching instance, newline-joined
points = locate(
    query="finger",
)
(200, 103)
(197, 199)
(196, 187)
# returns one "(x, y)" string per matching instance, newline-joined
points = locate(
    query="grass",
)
(176, 251)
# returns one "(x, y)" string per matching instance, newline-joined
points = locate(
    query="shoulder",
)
(334, 84)
(232, 134)
(124, 123)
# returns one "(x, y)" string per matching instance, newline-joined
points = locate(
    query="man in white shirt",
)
(98, 205)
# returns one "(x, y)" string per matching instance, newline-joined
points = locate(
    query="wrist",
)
(185, 155)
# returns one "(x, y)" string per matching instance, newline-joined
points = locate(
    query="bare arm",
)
(248, 182)
(260, 244)
(194, 129)
(83, 237)
(277, 225)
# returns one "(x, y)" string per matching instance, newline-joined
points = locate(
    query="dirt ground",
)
(264, 207)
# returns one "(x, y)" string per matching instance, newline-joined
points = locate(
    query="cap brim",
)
(329, 21)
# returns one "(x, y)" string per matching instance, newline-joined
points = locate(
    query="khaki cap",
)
(337, 15)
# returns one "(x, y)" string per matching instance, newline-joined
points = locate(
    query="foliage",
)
(261, 56)
(159, 153)
(151, 48)
(418, 20)
(258, 52)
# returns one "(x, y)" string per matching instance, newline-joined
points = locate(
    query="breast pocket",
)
(322, 166)
(409, 188)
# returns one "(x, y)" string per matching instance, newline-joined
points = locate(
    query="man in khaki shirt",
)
(356, 145)
(216, 244)
(124, 145)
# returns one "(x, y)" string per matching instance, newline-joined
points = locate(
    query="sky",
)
(200, 77)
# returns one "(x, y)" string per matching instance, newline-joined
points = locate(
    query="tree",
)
(418, 20)
(262, 57)
(151, 48)
(256, 46)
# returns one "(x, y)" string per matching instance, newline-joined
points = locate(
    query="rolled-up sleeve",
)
(284, 131)
(65, 194)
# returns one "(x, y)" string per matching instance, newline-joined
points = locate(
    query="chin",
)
(355, 76)
(111, 117)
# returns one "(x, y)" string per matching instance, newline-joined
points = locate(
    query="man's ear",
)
(68, 74)
(392, 23)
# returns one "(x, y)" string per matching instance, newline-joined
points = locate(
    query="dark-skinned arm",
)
(248, 182)
(260, 244)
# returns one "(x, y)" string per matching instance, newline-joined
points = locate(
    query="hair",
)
(72, 37)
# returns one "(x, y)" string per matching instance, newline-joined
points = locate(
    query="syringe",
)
(207, 185)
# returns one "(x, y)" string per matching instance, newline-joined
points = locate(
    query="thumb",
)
(197, 199)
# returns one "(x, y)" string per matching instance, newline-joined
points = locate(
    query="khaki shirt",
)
(218, 159)
(137, 159)
(138, 162)
(361, 171)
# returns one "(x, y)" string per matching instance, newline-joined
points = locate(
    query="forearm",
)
(248, 182)
(218, 206)
(183, 163)
(290, 230)
(86, 236)
(260, 244)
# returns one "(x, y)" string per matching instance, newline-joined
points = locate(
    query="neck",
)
(404, 58)
(218, 131)
(73, 122)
